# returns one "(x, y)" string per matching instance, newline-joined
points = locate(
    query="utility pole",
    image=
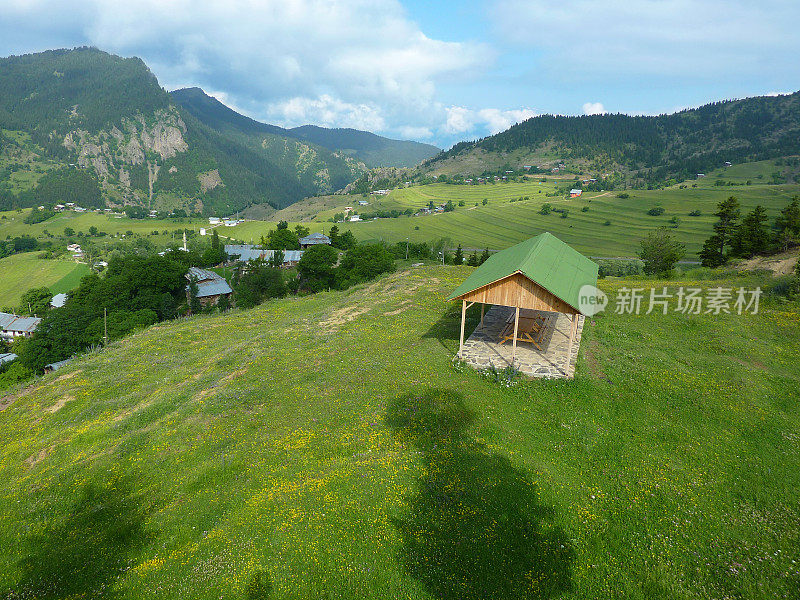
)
(105, 326)
(406, 248)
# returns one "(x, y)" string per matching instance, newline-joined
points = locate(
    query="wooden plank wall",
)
(518, 290)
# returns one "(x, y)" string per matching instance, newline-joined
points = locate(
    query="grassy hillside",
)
(501, 222)
(23, 271)
(291, 440)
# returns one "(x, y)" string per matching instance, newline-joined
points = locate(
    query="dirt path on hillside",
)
(780, 264)
(600, 195)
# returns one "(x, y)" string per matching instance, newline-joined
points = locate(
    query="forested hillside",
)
(374, 150)
(63, 110)
(678, 145)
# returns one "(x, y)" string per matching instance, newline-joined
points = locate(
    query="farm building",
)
(7, 357)
(14, 326)
(575, 193)
(534, 290)
(314, 239)
(247, 252)
(210, 286)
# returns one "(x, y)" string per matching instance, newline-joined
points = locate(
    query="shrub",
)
(619, 268)
(607, 223)
(316, 268)
(660, 252)
(656, 211)
(694, 213)
(362, 263)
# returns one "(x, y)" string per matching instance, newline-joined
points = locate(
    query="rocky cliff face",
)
(140, 140)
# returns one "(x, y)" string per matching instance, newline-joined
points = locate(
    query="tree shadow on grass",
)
(475, 528)
(83, 555)
(447, 329)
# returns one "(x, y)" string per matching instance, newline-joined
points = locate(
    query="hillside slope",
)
(287, 444)
(85, 108)
(362, 146)
(647, 148)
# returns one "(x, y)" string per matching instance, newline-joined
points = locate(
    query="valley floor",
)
(328, 447)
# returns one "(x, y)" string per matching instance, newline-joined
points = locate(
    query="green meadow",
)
(328, 447)
(598, 223)
(19, 272)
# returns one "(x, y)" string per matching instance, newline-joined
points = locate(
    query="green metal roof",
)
(545, 260)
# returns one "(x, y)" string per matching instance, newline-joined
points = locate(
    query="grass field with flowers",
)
(328, 447)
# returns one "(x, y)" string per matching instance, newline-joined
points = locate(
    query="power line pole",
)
(105, 326)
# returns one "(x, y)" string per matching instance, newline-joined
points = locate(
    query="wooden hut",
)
(541, 274)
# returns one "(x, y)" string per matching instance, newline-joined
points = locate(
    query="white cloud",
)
(361, 63)
(461, 120)
(667, 39)
(415, 133)
(594, 108)
(326, 111)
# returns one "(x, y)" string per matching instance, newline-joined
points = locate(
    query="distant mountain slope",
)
(676, 145)
(317, 169)
(374, 150)
(88, 109)
(363, 146)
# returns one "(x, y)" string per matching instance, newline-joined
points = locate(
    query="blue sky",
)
(438, 72)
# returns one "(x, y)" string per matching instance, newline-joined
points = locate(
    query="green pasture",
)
(501, 222)
(326, 447)
(20, 272)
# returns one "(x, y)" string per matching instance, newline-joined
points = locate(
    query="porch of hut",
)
(534, 322)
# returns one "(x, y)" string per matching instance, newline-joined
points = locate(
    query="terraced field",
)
(610, 225)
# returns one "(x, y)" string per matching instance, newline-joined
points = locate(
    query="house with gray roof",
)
(314, 239)
(246, 252)
(14, 326)
(210, 287)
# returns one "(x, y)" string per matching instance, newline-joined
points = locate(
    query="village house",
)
(210, 286)
(243, 253)
(575, 193)
(363, 203)
(314, 239)
(355, 218)
(14, 326)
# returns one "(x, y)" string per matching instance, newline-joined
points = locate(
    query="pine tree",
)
(789, 219)
(484, 256)
(473, 261)
(458, 257)
(713, 252)
(752, 236)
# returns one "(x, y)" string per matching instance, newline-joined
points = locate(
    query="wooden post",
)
(482, 305)
(516, 328)
(463, 319)
(572, 329)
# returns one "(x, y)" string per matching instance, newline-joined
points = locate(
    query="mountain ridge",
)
(367, 147)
